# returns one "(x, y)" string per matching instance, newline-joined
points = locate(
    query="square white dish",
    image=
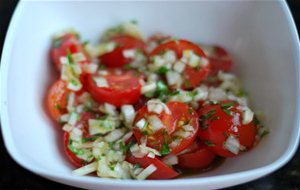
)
(260, 35)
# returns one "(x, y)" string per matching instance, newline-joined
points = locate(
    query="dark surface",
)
(12, 176)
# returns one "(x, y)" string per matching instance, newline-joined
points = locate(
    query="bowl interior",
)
(257, 34)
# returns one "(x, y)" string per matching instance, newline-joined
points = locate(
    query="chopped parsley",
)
(228, 112)
(174, 93)
(58, 106)
(186, 84)
(127, 66)
(69, 56)
(88, 139)
(213, 102)
(136, 166)
(264, 133)
(209, 143)
(162, 70)
(209, 114)
(227, 105)
(101, 66)
(165, 149)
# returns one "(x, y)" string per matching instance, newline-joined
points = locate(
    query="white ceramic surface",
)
(260, 35)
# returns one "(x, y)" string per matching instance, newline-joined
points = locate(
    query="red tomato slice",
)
(61, 45)
(57, 99)
(124, 88)
(116, 57)
(217, 125)
(220, 60)
(192, 76)
(163, 171)
(198, 157)
(163, 139)
(84, 118)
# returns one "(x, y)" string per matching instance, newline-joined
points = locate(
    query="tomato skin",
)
(192, 76)
(220, 60)
(179, 112)
(84, 118)
(218, 130)
(123, 89)
(162, 172)
(68, 41)
(77, 162)
(116, 57)
(198, 158)
(57, 99)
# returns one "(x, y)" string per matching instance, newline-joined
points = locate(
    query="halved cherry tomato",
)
(219, 59)
(162, 171)
(84, 118)
(57, 99)
(192, 76)
(198, 156)
(222, 120)
(116, 57)
(61, 45)
(124, 87)
(163, 139)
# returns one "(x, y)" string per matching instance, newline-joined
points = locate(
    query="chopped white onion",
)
(76, 134)
(146, 172)
(129, 53)
(64, 60)
(87, 169)
(174, 78)
(188, 128)
(202, 93)
(247, 114)
(141, 123)
(114, 135)
(179, 66)
(90, 68)
(101, 82)
(65, 117)
(73, 118)
(151, 155)
(74, 85)
(128, 113)
(170, 160)
(150, 87)
(157, 106)
(67, 127)
(216, 94)
(103, 72)
(78, 57)
(155, 122)
(109, 109)
(183, 134)
(232, 144)
(71, 102)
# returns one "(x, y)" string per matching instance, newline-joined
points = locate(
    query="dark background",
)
(12, 176)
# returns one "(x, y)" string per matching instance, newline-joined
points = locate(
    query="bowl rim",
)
(246, 175)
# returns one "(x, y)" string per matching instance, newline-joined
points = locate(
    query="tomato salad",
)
(136, 108)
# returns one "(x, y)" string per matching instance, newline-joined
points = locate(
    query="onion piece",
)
(170, 160)
(87, 169)
(146, 172)
(232, 144)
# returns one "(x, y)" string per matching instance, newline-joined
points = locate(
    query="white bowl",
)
(260, 35)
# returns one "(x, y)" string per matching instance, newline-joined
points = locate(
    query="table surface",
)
(15, 177)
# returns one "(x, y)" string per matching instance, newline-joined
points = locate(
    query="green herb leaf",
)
(213, 102)
(127, 66)
(209, 143)
(165, 149)
(162, 70)
(228, 112)
(136, 166)
(89, 139)
(174, 93)
(264, 133)
(227, 105)
(69, 56)
(186, 84)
